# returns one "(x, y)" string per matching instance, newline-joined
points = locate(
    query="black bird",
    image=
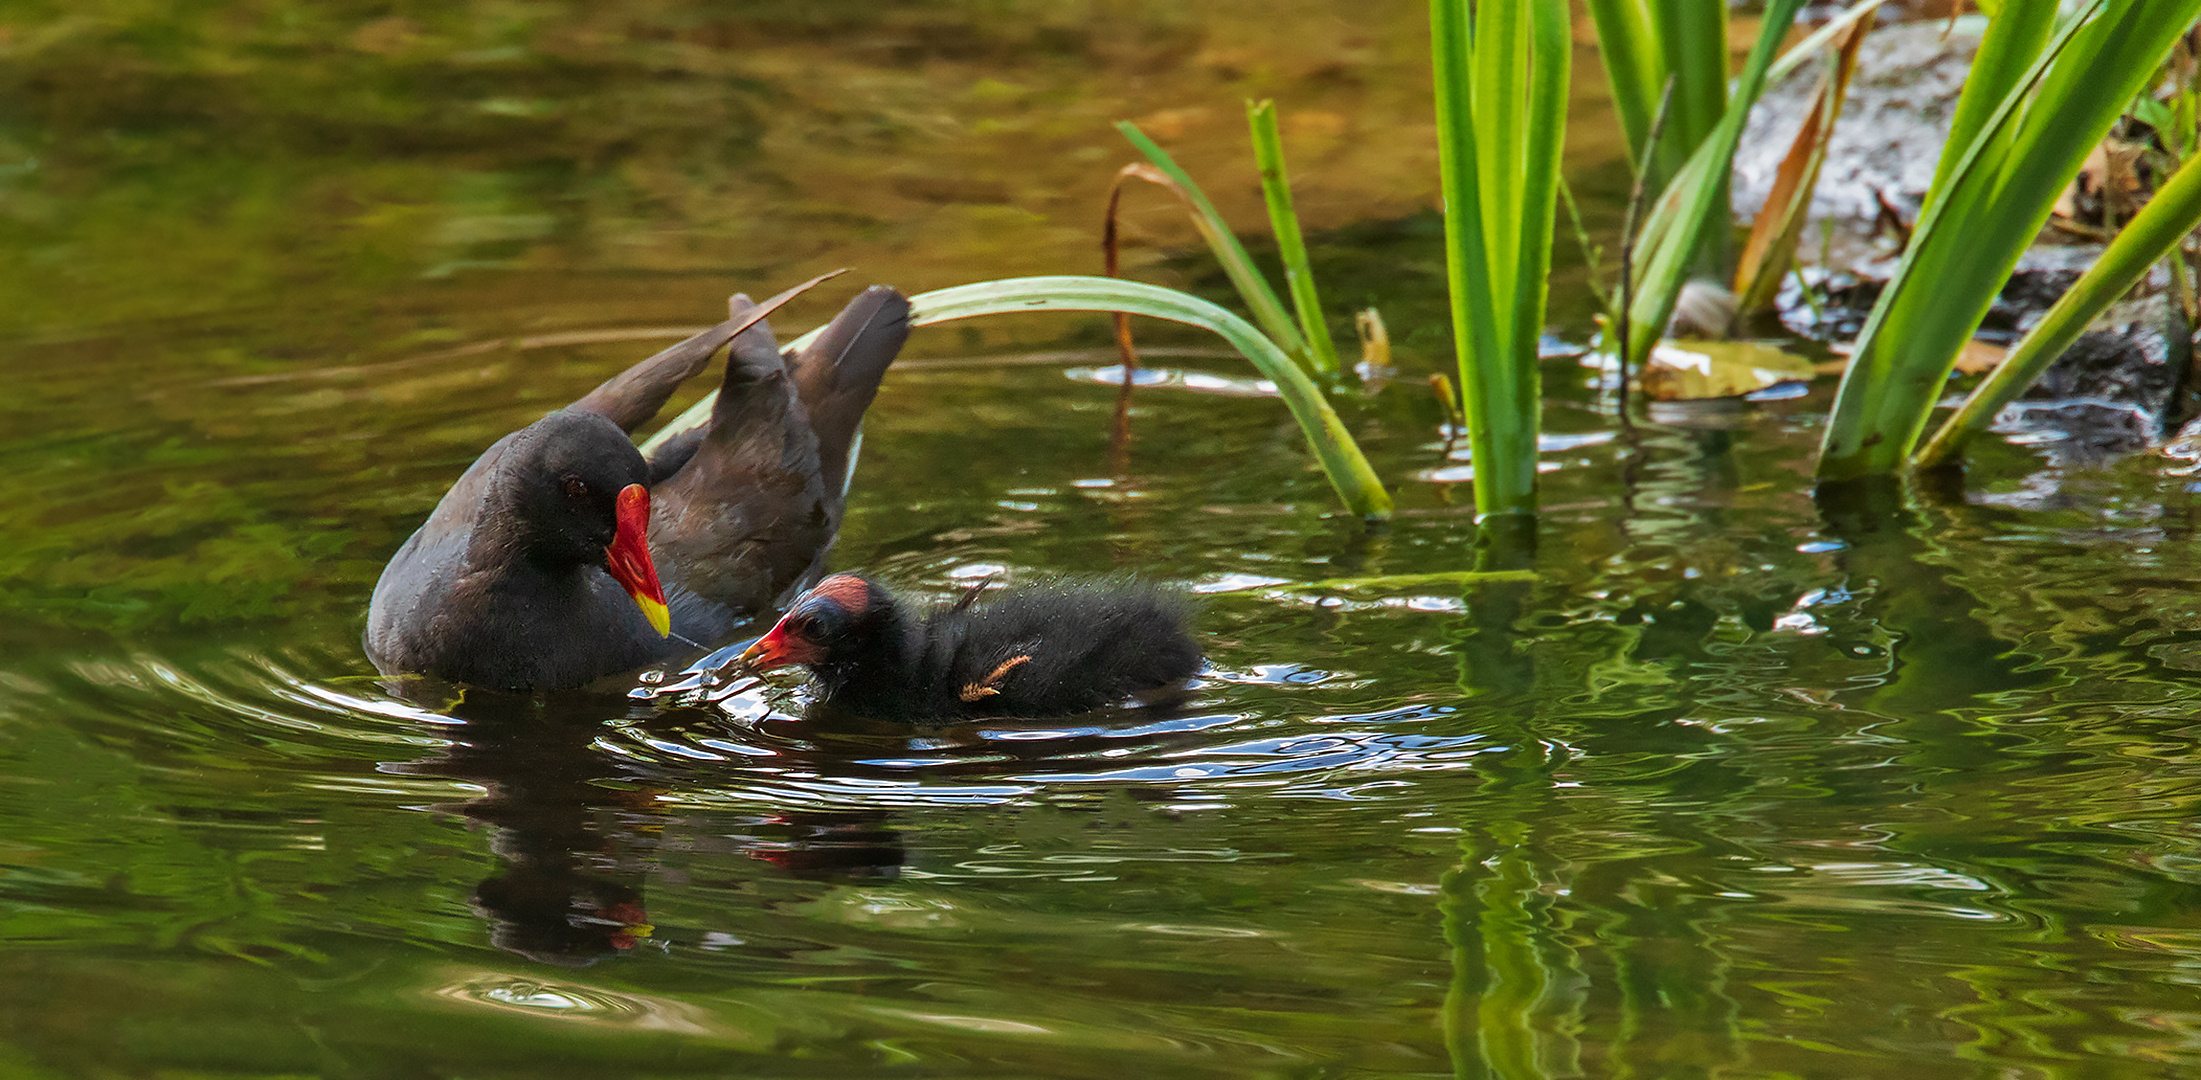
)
(1044, 650)
(540, 569)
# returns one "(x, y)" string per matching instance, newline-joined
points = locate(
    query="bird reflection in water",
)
(832, 845)
(579, 829)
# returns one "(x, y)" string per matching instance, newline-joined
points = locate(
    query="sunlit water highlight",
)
(1737, 787)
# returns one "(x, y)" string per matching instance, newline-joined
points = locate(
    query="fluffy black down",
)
(1089, 643)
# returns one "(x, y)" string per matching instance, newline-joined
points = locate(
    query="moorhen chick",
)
(1045, 650)
(562, 556)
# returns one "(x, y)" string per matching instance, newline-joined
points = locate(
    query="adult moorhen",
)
(533, 572)
(1045, 650)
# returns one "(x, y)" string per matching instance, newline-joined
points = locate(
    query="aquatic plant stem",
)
(1985, 211)
(1694, 202)
(1127, 353)
(1291, 246)
(1500, 86)
(2153, 233)
(1647, 44)
(1636, 194)
(1334, 449)
(1260, 299)
(1593, 255)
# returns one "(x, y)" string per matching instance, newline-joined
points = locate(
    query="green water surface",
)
(1738, 786)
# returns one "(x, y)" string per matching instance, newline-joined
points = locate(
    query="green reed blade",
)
(1259, 297)
(1333, 446)
(1819, 39)
(1693, 35)
(1693, 202)
(2155, 232)
(1987, 211)
(1646, 43)
(1291, 246)
(2006, 55)
(1551, 44)
(1501, 77)
(1635, 67)
(1469, 277)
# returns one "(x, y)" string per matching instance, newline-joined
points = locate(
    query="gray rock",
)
(1890, 132)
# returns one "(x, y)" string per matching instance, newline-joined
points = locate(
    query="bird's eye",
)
(575, 487)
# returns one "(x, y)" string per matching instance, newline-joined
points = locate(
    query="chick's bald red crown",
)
(793, 639)
(851, 593)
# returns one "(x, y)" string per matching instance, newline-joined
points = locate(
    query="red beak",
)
(628, 558)
(777, 650)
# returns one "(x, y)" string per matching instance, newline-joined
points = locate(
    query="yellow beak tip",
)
(660, 618)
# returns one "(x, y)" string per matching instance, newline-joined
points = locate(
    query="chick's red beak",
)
(628, 558)
(778, 649)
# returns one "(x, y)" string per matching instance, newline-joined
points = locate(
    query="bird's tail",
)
(630, 398)
(839, 374)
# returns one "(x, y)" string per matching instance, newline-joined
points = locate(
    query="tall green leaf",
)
(2153, 233)
(1643, 42)
(1260, 297)
(1333, 446)
(1987, 209)
(1693, 34)
(2012, 45)
(1291, 245)
(1501, 95)
(1695, 201)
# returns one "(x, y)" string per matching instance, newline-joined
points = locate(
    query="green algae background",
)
(1740, 786)
(229, 224)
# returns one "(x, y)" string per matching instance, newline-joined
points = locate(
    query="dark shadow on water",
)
(570, 892)
(578, 828)
(1942, 655)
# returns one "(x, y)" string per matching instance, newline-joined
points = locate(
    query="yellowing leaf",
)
(1688, 370)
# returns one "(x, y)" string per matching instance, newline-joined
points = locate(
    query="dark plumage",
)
(509, 583)
(512, 582)
(1045, 650)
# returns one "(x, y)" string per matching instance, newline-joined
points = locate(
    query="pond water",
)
(1737, 785)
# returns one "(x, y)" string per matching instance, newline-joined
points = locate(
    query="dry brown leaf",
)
(1979, 357)
(1780, 222)
(2111, 173)
(2097, 163)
